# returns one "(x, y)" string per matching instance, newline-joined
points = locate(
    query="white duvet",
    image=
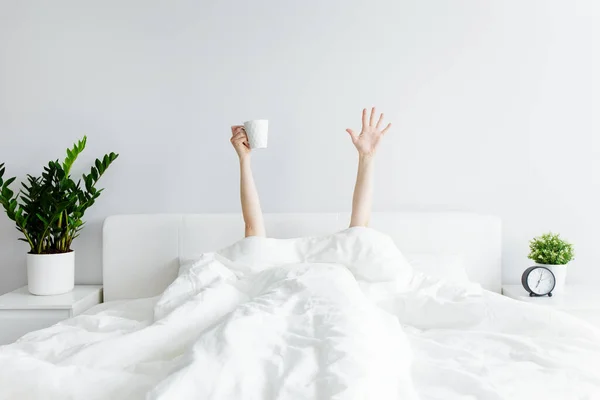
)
(337, 317)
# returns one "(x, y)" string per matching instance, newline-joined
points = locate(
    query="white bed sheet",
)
(341, 317)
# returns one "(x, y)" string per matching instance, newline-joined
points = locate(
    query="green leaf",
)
(8, 182)
(89, 182)
(41, 218)
(7, 193)
(82, 143)
(72, 155)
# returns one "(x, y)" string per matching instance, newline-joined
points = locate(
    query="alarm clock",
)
(538, 281)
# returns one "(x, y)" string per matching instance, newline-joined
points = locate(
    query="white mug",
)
(258, 133)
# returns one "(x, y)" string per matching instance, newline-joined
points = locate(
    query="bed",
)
(407, 310)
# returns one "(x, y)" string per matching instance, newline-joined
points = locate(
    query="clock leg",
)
(550, 294)
(530, 294)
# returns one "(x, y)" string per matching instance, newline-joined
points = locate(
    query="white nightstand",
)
(578, 300)
(22, 312)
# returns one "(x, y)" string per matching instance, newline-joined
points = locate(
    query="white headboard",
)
(141, 252)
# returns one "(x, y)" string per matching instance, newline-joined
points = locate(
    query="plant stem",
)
(65, 238)
(27, 237)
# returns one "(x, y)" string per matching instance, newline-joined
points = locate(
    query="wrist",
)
(245, 158)
(366, 157)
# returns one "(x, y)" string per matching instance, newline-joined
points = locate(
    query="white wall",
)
(495, 106)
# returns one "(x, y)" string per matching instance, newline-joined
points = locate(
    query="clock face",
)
(540, 281)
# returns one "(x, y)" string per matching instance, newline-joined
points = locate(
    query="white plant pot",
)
(49, 274)
(560, 274)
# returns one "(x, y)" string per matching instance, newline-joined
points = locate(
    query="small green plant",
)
(550, 249)
(49, 210)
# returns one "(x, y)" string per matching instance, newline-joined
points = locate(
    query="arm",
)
(253, 218)
(366, 143)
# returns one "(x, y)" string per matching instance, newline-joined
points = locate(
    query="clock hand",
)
(538, 282)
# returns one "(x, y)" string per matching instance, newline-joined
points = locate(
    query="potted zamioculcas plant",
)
(551, 251)
(48, 211)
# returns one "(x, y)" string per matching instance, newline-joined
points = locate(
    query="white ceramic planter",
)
(49, 274)
(560, 274)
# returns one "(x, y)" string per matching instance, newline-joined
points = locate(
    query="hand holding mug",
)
(239, 140)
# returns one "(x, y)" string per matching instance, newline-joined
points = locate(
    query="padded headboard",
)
(141, 252)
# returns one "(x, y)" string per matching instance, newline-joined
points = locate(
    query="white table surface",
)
(574, 297)
(21, 299)
(22, 312)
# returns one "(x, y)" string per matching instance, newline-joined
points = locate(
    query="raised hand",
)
(239, 140)
(371, 133)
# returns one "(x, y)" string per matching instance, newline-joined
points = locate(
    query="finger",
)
(352, 134)
(238, 135)
(386, 128)
(364, 118)
(379, 121)
(236, 128)
(239, 141)
(239, 138)
(372, 117)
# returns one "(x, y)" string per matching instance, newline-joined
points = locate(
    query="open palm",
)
(371, 133)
